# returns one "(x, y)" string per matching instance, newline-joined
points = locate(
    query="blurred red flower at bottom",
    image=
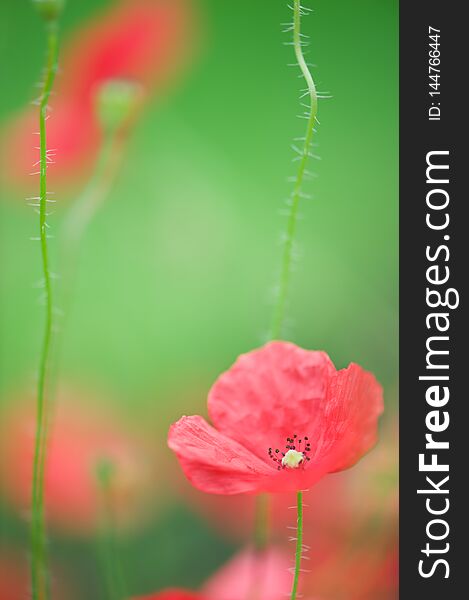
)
(82, 435)
(264, 574)
(175, 594)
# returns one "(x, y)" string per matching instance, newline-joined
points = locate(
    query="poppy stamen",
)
(295, 456)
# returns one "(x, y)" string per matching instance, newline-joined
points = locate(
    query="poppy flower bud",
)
(49, 9)
(116, 102)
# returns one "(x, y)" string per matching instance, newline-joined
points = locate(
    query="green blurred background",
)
(176, 269)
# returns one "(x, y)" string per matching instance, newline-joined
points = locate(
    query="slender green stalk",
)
(279, 312)
(304, 156)
(299, 545)
(74, 227)
(107, 542)
(278, 315)
(95, 192)
(261, 525)
(39, 571)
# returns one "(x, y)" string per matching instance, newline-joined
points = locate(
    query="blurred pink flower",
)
(264, 574)
(173, 594)
(138, 40)
(82, 435)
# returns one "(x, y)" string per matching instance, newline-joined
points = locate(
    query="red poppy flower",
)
(81, 437)
(250, 574)
(136, 40)
(175, 594)
(284, 417)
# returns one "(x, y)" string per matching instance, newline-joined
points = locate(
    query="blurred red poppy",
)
(142, 41)
(175, 594)
(284, 418)
(82, 436)
(264, 575)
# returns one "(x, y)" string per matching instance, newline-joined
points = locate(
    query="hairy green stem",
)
(299, 545)
(279, 312)
(278, 315)
(39, 571)
(304, 156)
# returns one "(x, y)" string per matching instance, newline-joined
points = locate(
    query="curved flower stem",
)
(304, 155)
(76, 223)
(39, 575)
(299, 545)
(73, 228)
(278, 315)
(88, 202)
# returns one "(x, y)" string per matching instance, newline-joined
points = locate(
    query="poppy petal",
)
(213, 462)
(269, 394)
(137, 39)
(354, 403)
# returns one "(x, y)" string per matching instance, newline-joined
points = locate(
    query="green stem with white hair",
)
(299, 545)
(39, 570)
(278, 317)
